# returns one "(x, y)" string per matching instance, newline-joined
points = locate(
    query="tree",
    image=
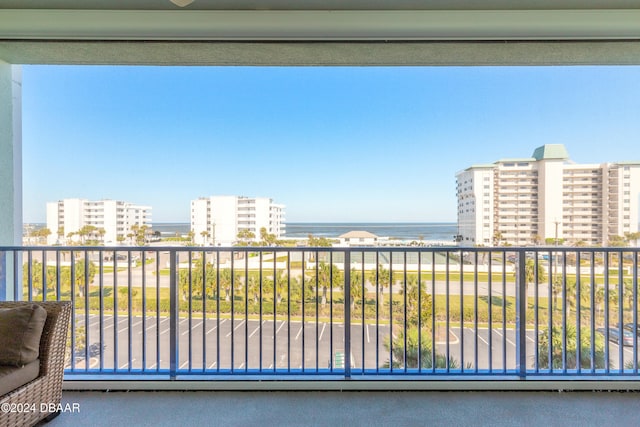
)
(497, 238)
(205, 237)
(101, 232)
(599, 297)
(41, 235)
(617, 241)
(79, 276)
(357, 287)
(531, 270)
(632, 237)
(553, 241)
(382, 277)
(556, 288)
(267, 239)
(416, 309)
(580, 243)
(245, 236)
(60, 232)
(225, 282)
(318, 241)
(254, 288)
(418, 354)
(328, 276)
(571, 349)
(139, 234)
(628, 292)
(282, 284)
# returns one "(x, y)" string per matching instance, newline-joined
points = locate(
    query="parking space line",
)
(241, 323)
(281, 325)
(229, 334)
(479, 337)
(299, 333)
(254, 332)
(505, 338)
(192, 327)
(215, 326)
(324, 325)
(127, 364)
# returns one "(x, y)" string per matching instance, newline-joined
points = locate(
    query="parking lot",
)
(277, 345)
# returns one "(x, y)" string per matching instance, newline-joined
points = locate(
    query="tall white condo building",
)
(547, 198)
(115, 217)
(217, 220)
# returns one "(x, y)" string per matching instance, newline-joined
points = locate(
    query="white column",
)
(10, 171)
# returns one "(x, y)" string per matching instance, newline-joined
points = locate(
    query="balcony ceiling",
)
(323, 4)
(320, 32)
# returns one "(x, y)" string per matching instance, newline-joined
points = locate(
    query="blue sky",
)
(333, 144)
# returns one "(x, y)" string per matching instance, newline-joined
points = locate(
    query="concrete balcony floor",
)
(334, 408)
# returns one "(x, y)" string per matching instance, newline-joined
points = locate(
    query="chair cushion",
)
(12, 377)
(20, 332)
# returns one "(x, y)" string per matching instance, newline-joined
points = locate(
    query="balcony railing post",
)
(173, 313)
(10, 275)
(521, 314)
(347, 314)
(5, 284)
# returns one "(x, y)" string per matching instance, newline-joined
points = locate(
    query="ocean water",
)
(394, 230)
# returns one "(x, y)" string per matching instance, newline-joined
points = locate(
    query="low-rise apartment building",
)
(217, 220)
(547, 198)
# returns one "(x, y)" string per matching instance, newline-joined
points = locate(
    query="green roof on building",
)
(551, 152)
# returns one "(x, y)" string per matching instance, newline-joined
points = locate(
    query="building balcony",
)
(186, 315)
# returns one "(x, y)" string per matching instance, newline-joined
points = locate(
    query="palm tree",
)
(101, 232)
(244, 236)
(266, 238)
(414, 293)
(570, 351)
(79, 268)
(328, 276)
(382, 277)
(418, 354)
(281, 283)
(628, 292)
(599, 298)
(530, 271)
(632, 237)
(205, 237)
(556, 288)
(225, 282)
(356, 285)
(254, 288)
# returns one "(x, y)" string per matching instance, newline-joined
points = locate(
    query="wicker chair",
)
(47, 387)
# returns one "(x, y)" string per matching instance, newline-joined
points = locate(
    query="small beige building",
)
(358, 238)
